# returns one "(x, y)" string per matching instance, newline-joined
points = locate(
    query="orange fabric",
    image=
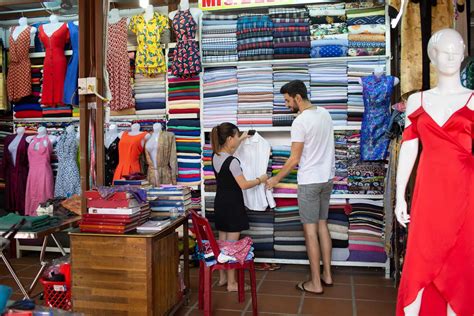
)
(130, 149)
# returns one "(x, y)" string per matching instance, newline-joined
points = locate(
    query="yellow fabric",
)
(184, 106)
(286, 186)
(150, 59)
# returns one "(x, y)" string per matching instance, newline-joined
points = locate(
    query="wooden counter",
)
(132, 274)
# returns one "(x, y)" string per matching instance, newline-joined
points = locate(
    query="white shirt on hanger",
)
(254, 154)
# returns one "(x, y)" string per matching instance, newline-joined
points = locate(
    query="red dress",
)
(55, 65)
(440, 251)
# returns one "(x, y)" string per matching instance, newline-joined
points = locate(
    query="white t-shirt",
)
(314, 128)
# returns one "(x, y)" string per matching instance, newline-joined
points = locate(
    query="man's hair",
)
(295, 87)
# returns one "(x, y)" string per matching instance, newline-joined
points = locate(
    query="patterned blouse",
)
(150, 59)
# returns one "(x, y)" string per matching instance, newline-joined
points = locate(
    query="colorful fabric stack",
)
(282, 116)
(196, 201)
(342, 162)
(150, 95)
(36, 80)
(58, 111)
(166, 198)
(188, 149)
(254, 37)
(338, 225)
(261, 231)
(294, 21)
(289, 235)
(27, 107)
(219, 38)
(209, 204)
(366, 231)
(366, 27)
(184, 97)
(255, 88)
(288, 185)
(328, 30)
(220, 96)
(329, 89)
(208, 171)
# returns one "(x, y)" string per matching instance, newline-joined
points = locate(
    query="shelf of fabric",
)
(47, 119)
(333, 263)
(137, 117)
(334, 196)
(294, 61)
(42, 54)
(284, 128)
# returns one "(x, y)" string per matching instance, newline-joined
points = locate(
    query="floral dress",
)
(150, 59)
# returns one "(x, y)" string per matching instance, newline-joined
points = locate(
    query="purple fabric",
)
(139, 194)
(367, 256)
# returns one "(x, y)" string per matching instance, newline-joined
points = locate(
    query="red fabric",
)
(286, 202)
(184, 98)
(28, 114)
(55, 64)
(440, 249)
(179, 111)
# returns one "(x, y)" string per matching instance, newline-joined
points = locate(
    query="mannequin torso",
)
(149, 12)
(152, 144)
(42, 133)
(135, 130)
(22, 25)
(184, 5)
(53, 26)
(13, 146)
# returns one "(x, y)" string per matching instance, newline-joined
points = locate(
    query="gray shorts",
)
(313, 201)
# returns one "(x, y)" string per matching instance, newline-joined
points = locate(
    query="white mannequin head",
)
(53, 18)
(23, 21)
(114, 14)
(184, 5)
(135, 127)
(157, 127)
(41, 131)
(20, 130)
(446, 51)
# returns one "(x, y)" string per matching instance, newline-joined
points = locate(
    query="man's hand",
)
(271, 183)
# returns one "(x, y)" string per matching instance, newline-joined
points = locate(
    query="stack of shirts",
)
(338, 225)
(219, 38)
(289, 235)
(366, 31)
(255, 88)
(261, 231)
(166, 198)
(282, 116)
(118, 213)
(342, 163)
(328, 30)
(57, 111)
(329, 89)
(288, 185)
(254, 37)
(36, 80)
(355, 103)
(27, 107)
(290, 33)
(150, 95)
(366, 227)
(208, 171)
(220, 96)
(184, 97)
(188, 149)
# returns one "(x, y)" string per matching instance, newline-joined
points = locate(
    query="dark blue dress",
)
(377, 91)
(71, 96)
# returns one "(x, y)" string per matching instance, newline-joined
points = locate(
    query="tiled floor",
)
(357, 292)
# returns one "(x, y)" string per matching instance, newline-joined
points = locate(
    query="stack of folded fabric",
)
(282, 116)
(36, 80)
(366, 231)
(355, 105)
(188, 149)
(294, 21)
(289, 235)
(288, 185)
(342, 161)
(150, 95)
(261, 231)
(57, 111)
(328, 30)
(168, 197)
(220, 96)
(184, 97)
(329, 89)
(27, 107)
(219, 39)
(367, 30)
(255, 88)
(33, 223)
(196, 201)
(254, 37)
(338, 225)
(209, 204)
(208, 171)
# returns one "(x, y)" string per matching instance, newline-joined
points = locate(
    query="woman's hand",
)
(244, 136)
(263, 178)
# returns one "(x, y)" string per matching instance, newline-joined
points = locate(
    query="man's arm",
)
(290, 164)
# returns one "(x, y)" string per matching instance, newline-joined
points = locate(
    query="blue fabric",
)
(377, 91)
(71, 96)
(183, 133)
(189, 165)
(328, 51)
(27, 107)
(38, 45)
(177, 122)
(149, 106)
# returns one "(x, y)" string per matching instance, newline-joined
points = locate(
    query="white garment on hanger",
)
(254, 154)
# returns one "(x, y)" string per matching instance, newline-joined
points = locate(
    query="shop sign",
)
(208, 5)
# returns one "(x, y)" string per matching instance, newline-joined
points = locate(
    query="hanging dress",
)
(68, 180)
(186, 57)
(166, 160)
(111, 160)
(118, 66)
(39, 186)
(130, 149)
(19, 68)
(15, 174)
(377, 91)
(55, 63)
(440, 254)
(71, 95)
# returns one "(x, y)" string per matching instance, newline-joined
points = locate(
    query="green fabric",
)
(188, 149)
(33, 223)
(188, 128)
(184, 87)
(286, 209)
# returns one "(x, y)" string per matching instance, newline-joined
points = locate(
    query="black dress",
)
(111, 161)
(230, 214)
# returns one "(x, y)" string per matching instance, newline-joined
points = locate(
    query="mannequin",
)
(152, 143)
(13, 147)
(134, 131)
(149, 12)
(110, 135)
(53, 26)
(22, 25)
(379, 71)
(114, 16)
(42, 132)
(183, 6)
(449, 99)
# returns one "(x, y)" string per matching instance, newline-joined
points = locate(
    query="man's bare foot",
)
(222, 283)
(235, 287)
(311, 288)
(326, 279)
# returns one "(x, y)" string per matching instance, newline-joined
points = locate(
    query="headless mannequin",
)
(135, 130)
(22, 25)
(153, 142)
(13, 147)
(114, 16)
(111, 135)
(53, 26)
(183, 6)
(149, 12)
(42, 133)
(379, 71)
(446, 52)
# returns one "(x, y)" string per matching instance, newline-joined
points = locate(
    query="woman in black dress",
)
(230, 215)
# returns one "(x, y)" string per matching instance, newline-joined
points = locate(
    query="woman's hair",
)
(220, 133)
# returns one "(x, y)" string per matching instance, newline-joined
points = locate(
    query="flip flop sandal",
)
(263, 267)
(274, 267)
(300, 286)
(326, 284)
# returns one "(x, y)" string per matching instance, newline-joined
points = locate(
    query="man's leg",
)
(314, 256)
(323, 232)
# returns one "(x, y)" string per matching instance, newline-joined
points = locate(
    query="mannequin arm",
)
(33, 30)
(407, 158)
(395, 21)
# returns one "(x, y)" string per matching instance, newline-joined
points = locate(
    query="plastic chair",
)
(203, 231)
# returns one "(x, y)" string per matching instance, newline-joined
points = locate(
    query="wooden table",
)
(131, 274)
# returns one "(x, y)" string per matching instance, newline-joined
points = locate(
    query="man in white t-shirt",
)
(312, 148)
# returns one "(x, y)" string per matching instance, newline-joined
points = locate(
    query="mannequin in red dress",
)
(437, 277)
